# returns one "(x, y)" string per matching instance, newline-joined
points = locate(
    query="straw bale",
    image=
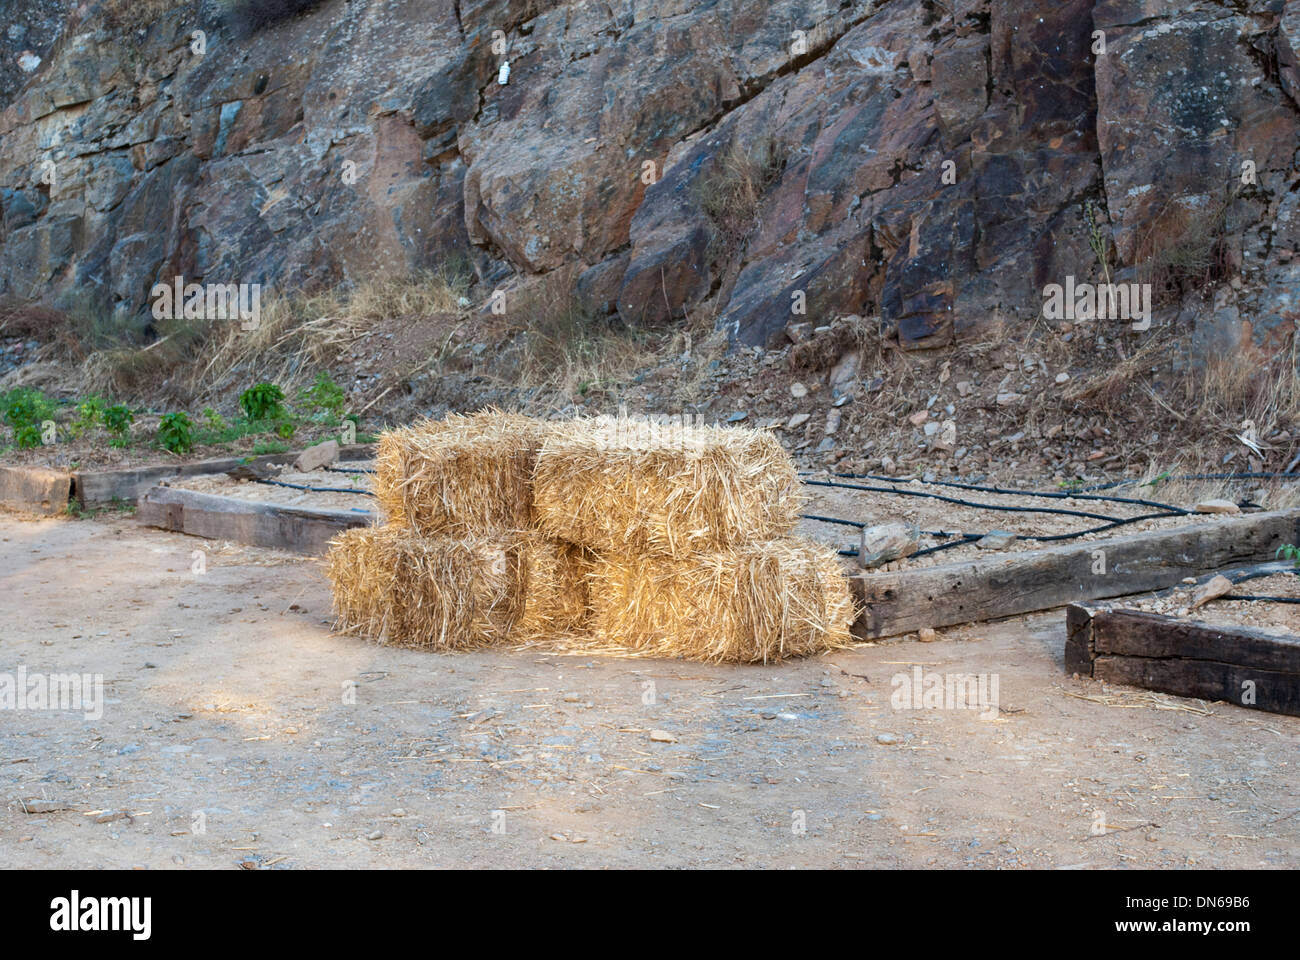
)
(397, 587)
(634, 486)
(759, 602)
(459, 475)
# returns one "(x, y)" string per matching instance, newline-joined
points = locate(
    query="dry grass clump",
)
(396, 587)
(1185, 249)
(635, 486)
(461, 474)
(567, 348)
(731, 192)
(749, 604)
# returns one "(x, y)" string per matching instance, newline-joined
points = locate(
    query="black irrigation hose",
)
(1197, 476)
(960, 503)
(1038, 538)
(1003, 491)
(301, 486)
(846, 523)
(361, 470)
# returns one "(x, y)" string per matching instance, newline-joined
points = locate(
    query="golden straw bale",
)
(361, 584)
(634, 486)
(759, 602)
(401, 588)
(460, 475)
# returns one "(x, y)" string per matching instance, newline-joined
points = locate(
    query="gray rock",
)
(320, 455)
(887, 542)
(996, 540)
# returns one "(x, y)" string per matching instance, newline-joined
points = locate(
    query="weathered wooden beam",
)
(1188, 658)
(296, 529)
(987, 587)
(35, 489)
(101, 487)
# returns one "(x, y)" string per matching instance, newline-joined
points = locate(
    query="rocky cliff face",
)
(931, 162)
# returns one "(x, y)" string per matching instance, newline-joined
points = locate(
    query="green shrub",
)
(90, 414)
(324, 395)
(176, 433)
(284, 429)
(266, 447)
(214, 421)
(25, 407)
(27, 436)
(118, 419)
(265, 401)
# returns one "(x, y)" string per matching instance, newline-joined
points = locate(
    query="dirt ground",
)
(238, 730)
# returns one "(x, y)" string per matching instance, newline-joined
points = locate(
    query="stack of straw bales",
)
(690, 529)
(664, 539)
(459, 563)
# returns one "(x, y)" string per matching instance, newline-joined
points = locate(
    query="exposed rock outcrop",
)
(928, 162)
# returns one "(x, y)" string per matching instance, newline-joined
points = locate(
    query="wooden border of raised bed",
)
(1242, 665)
(102, 487)
(1004, 585)
(296, 529)
(35, 489)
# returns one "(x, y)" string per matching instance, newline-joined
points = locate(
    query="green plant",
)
(264, 447)
(1289, 551)
(27, 437)
(176, 433)
(25, 407)
(265, 401)
(1097, 238)
(90, 414)
(214, 421)
(118, 419)
(324, 395)
(284, 429)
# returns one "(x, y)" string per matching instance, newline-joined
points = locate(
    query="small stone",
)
(887, 542)
(963, 388)
(398, 812)
(926, 635)
(886, 738)
(832, 422)
(662, 736)
(996, 540)
(1211, 590)
(313, 458)
(43, 806)
(919, 417)
(1217, 506)
(798, 390)
(798, 332)
(1062, 378)
(931, 428)
(738, 416)
(376, 835)
(1009, 399)
(798, 420)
